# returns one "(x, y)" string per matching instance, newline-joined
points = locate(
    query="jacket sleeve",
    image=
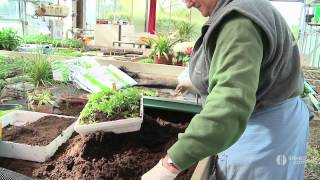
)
(233, 82)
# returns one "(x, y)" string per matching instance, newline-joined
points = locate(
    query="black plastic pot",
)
(5, 107)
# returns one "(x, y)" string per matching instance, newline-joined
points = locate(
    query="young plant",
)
(123, 103)
(162, 46)
(183, 51)
(185, 30)
(9, 39)
(38, 39)
(72, 43)
(40, 70)
(41, 98)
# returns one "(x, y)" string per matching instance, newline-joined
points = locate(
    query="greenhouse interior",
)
(160, 89)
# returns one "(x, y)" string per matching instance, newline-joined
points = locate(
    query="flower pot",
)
(74, 100)
(6, 107)
(48, 108)
(162, 59)
(178, 63)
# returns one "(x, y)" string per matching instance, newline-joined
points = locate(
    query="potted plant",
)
(41, 101)
(114, 111)
(184, 31)
(40, 70)
(161, 50)
(182, 53)
(9, 39)
(76, 100)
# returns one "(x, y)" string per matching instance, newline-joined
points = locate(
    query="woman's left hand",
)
(162, 171)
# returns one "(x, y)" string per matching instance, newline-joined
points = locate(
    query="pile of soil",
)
(70, 109)
(114, 156)
(40, 132)
(316, 84)
(311, 75)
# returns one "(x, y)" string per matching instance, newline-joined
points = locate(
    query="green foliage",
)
(185, 30)
(40, 70)
(9, 39)
(41, 98)
(18, 78)
(38, 39)
(124, 102)
(162, 46)
(71, 43)
(68, 53)
(313, 160)
(3, 83)
(117, 17)
(146, 61)
(46, 39)
(295, 29)
(183, 57)
(11, 68)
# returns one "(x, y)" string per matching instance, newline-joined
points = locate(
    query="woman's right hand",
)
(184, 87)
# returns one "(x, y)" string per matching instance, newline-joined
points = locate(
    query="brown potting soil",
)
(40, 132)
(102, 117)
(70, 109)
(315, 84)
(311, 75)
(114, 156)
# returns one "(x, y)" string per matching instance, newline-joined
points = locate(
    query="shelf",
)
(314, 24)
(53, 16)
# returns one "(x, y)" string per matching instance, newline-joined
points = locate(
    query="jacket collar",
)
(220, 5)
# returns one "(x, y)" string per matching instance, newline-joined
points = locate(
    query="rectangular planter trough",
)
(29, 152)
(116, 126)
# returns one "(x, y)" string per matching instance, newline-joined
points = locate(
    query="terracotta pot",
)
(75, 100)
(178, 63)
(48, 108)
(162, 60)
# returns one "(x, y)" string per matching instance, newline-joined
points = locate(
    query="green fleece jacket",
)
(233, 83)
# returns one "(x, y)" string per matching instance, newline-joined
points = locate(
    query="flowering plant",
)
(183, 51)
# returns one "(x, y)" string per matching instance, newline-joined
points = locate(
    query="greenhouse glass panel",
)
(114, 10)
(139, 15)
(171, 14)
(105, 9)
(9, 9)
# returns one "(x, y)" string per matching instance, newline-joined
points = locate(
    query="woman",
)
(246, 68)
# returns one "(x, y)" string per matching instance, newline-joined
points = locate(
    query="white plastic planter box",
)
(115, 126)
(29, 152)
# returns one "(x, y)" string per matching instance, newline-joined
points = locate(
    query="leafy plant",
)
(11, 69)
(38, 39)
(9, 39)
(3, 83)
(72, 43)
(312, 162)
(41, 98)
(40, 70)
(124, 103)
(185, 30)
(183, 51)
(295, 29)
(68, 53)
(146, 61)
(162, 46)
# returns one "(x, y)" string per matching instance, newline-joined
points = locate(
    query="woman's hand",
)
(184, 87)
(164, 170)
